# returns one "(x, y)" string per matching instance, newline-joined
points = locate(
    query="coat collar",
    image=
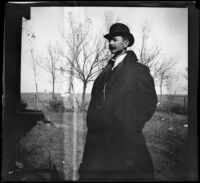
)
(132, 55)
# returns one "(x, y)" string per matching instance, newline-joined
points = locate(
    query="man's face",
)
(117, 44)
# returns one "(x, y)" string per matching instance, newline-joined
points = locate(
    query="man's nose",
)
(111, 42)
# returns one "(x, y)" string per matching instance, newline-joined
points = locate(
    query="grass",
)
(165, 135)
(166, 138)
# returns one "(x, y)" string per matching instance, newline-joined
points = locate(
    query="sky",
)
(169, 30)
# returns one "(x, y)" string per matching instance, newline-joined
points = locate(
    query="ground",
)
(165, 134)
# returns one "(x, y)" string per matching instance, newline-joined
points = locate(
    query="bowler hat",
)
(119, 29)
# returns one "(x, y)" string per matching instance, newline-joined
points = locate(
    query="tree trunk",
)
(34, 70)
(53, 88)
(83, 95)
(71, 79)
(70, 82)
(161, 93)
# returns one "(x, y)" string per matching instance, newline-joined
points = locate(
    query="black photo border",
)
(14, 11)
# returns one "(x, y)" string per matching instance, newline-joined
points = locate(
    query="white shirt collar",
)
(119, 59)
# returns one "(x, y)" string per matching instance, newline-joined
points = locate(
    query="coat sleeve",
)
(147, 98)
(138, 103)
(143, 103)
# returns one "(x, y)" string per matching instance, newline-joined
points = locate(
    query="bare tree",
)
(51, 64)
(109, 19)
(84, 55)
(163, 72)
(171, 89)
(73, 40)
(185, 75)
(35, 76)
(30, 37)
(161, 66)
(147, 54)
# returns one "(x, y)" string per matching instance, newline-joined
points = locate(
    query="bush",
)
(172, 108)
(56, 105)
(178, 109)
(70, 109)
(83, 107)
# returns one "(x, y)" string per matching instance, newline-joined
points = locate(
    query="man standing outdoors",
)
(123, 98)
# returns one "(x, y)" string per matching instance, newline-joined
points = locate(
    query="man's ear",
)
(126, 43)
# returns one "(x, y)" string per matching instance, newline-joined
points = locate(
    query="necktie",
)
(107, 74)
(108, 69)
(109, 65)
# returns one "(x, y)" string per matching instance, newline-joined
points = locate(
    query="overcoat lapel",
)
(116, 73)
(120, 69)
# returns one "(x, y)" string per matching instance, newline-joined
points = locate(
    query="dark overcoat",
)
(115, 148)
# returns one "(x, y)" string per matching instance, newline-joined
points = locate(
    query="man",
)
(123, 99)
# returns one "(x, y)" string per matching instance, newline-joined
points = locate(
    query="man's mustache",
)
(111, 47)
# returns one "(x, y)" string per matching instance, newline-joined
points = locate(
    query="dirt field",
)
(166, 137)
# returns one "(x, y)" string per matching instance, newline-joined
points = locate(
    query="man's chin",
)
(113, 51)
